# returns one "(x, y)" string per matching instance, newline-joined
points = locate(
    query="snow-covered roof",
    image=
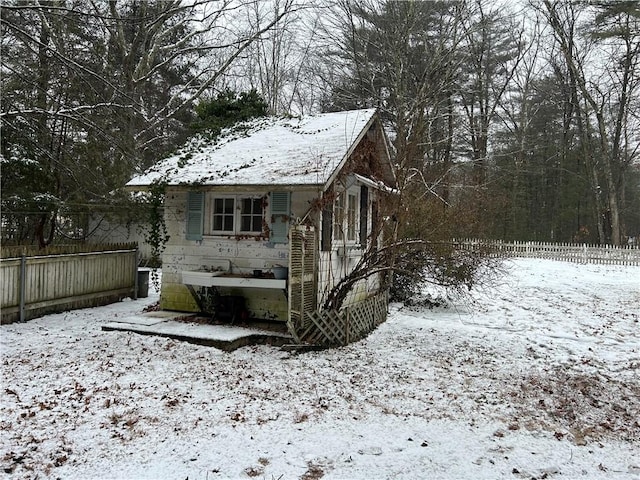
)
(266, 151)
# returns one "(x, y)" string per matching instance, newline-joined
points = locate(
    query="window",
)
(338, 218)
(346, 216)
(251, 215)
(352, 208)
(231, 215)
(223, 213)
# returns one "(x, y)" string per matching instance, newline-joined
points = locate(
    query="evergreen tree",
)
(599, 48)
(538, 173)
(226, 109)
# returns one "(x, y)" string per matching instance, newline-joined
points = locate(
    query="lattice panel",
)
(331, 328)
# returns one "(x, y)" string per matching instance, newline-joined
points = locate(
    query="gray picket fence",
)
(35, 285)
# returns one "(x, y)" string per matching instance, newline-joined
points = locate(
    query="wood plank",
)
(69, 277)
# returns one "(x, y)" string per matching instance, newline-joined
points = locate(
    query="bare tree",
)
(93, 91)
(405, 58)
(493, 49)
(602, 69)
(279, 64)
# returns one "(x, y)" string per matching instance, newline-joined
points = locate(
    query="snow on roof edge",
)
(351, 148)
(276, 151)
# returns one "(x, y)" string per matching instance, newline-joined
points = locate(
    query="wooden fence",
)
(567, 252)
(35, 285)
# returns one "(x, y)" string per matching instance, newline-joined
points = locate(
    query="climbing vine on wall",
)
(156, 235)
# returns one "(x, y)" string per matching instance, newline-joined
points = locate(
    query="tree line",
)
(516, 121)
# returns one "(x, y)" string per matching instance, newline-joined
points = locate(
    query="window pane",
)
(251, 215)
(351, 216)
(223, 212)
(338, 218)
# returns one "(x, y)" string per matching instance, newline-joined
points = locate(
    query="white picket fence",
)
(566, 252)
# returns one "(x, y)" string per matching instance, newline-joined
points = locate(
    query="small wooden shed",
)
(267, 218)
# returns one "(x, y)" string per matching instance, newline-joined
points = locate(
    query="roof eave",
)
(352, 147)
(232, 187)
(378, 185)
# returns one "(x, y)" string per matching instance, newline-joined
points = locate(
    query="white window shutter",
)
(195, 215)
(280, 213)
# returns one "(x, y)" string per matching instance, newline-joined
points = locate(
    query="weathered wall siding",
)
(244, 256)
(337, 264)
(334, 266)
(264, 304)
(61, 282)
(176, 296)
(330, 269)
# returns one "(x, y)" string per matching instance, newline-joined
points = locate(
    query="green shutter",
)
(364, 215)
(195, 215)
(280, 213)
(327, 227)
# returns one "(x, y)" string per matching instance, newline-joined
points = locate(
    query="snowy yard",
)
(538, 377)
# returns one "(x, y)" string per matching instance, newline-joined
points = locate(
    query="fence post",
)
(23, 284)
(135, 274)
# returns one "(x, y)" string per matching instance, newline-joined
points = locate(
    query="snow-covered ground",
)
(538, 377)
